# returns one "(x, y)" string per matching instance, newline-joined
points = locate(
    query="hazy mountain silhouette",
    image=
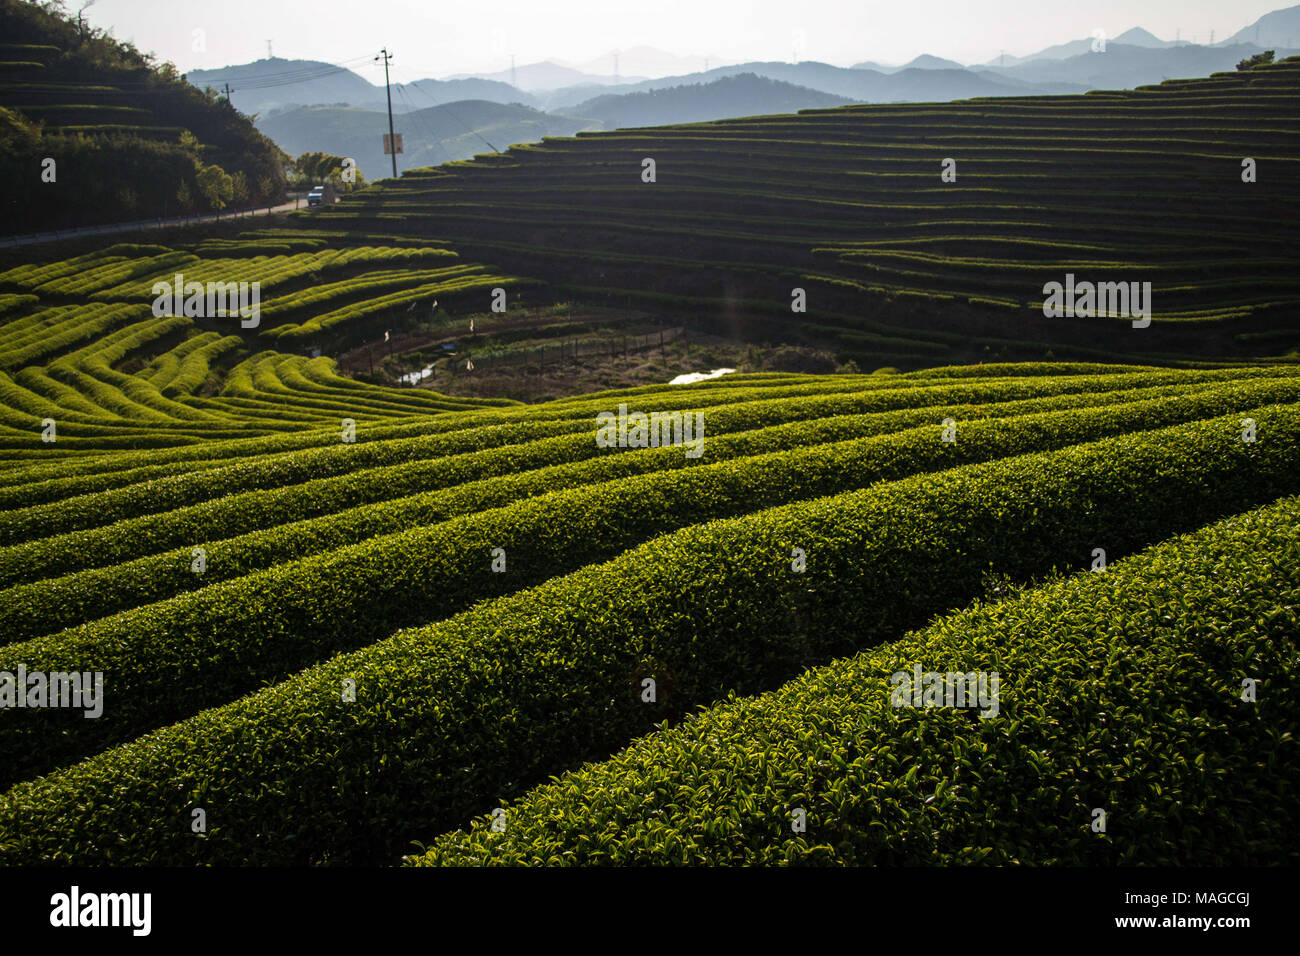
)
(1123, 66)
(1140, 37)
(927, 62)
(269, 84)
(435, 92)
(430, 136)
(859, 86)
(644, 61)
(730, 96)
(547, 75)
(1279, 29)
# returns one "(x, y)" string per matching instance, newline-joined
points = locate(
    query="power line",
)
(415, 117)
(412, 116)
(443, 106)
(446, 108)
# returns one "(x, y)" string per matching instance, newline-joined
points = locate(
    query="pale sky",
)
(434, 39)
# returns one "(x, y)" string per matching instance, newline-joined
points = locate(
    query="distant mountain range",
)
(430, 136)
(731, 96)
(1123, 66)
(1279, 29)
(267, 86)
(548, 76)
(1136, 37)
(555, 99)
(424, 93)
(856, 85)
(617, 66)
(922, 62)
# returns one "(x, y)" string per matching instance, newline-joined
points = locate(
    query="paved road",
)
(110, 228)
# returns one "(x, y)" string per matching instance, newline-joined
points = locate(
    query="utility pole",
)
(392, 137)
(228, 91)
(269, 54)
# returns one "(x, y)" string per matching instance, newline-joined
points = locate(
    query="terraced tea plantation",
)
(306, 295)
(257, 612)
(898, 263)
(316, 622)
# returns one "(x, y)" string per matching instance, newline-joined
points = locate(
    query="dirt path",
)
(363, 357)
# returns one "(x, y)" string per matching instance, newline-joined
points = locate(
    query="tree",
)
(1259, 59)
(216, 186)
(239, 188)
(305, 165)
(320, 168)
(358, 179)
(16, 132)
